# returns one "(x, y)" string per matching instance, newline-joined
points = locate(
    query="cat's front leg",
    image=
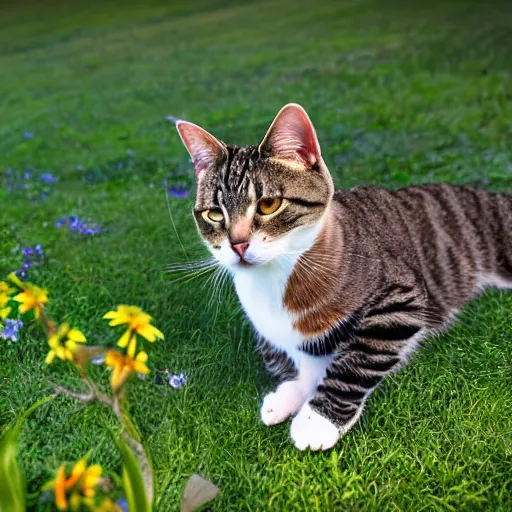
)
(292, 394)
(284, 402)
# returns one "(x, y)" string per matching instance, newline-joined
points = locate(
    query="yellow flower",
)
(4, 288)
(138, 323)
(31, 298)
(124, 365)
(4, 312)
(107, 505)
(63, 343)
(78, 489)
(5, 291)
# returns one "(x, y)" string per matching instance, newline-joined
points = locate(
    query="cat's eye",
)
(270, 205)
(213, 215)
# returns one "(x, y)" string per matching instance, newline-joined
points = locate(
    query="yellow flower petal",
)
(4, 312)
(132, 347)
(22, 297)
(14, 279)
(50, 357)
(70, 345)
(149, 332)
(62, 330)
(74, 501)
(76, 335)
(76, 473)
(92, 476)
(60, 490)
(113, 357)
(140, 367)
(88, 492)
(4, 288)
(53, 341)
(124, 339)
(60, 352)
(142, 356)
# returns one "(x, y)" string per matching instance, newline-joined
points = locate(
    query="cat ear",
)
(292, 137)
(203, 147)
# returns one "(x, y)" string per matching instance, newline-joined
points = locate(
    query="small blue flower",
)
(38, 249)
(122, 504)
(179, 192)
(33, 256)
(28, 135)
(177, 381)
(11, 330)
(27, 175)
(78, 226)
(98, 361)
(48, 177)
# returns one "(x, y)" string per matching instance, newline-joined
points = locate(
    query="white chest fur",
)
(261, 291)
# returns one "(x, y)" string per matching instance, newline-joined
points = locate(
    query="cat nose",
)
(240, 248)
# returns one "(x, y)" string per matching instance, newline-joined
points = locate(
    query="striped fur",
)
(380, 271)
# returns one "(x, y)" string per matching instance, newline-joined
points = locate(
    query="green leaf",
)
(12, 483)
(133, 480)
(130, 428)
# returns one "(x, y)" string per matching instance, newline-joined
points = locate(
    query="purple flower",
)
(179, 192)
(177, 381)
(28, 135)
(122, 504)
(33, 256)
(48, 177)
(79, 226)
(27, 251)
(11, 330)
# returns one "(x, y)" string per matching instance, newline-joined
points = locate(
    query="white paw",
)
(311, 430)
(285, 401)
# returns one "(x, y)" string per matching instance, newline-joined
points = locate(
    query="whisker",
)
(193, 265)
(191, 276)
(172, 222)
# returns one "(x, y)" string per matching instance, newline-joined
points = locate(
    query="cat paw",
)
(284, 402)
(312, 430)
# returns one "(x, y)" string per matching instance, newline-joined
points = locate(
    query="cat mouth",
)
(244, 263)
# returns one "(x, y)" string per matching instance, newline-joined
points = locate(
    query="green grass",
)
(399, 94)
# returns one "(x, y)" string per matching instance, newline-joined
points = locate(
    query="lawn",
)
(399, 94)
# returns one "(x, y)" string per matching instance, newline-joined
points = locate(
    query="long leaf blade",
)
(12, 482)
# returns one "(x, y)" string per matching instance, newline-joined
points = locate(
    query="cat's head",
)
(260, 203)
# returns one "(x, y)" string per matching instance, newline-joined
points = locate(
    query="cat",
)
(340, 286)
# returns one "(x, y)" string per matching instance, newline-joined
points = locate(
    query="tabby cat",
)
(341, 286)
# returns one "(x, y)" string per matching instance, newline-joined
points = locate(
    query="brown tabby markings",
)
(309, 291)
